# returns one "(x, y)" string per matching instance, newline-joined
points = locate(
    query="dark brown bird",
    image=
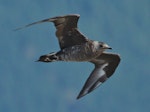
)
(74, 46)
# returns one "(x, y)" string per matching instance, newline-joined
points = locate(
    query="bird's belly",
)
(78, 53)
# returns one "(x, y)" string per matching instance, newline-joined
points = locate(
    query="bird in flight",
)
(75, 47)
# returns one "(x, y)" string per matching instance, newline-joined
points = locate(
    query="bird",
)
(76, 47)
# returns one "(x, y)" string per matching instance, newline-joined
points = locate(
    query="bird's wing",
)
(66, 30)
(105, 66)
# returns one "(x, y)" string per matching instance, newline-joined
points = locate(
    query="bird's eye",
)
(101, 45)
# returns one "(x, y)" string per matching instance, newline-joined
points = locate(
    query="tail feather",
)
(48, 57)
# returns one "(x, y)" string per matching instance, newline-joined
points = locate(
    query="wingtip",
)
(20, 28)
(81, 94)
(78, 97)
(77, 15)
(16, 29)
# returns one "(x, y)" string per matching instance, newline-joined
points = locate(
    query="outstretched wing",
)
(105, 66)
(66, 30)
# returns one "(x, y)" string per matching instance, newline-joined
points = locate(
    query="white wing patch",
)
(101, 71)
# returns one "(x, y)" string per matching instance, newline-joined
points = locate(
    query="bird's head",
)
(101, 45)
(104, 45)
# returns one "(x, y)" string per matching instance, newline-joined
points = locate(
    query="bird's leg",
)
(48, 57)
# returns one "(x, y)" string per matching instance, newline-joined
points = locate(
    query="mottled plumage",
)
(74, 46)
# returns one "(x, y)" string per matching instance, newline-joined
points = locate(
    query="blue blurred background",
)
(27, 86)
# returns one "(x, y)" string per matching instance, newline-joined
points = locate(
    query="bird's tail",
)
(48, 57)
